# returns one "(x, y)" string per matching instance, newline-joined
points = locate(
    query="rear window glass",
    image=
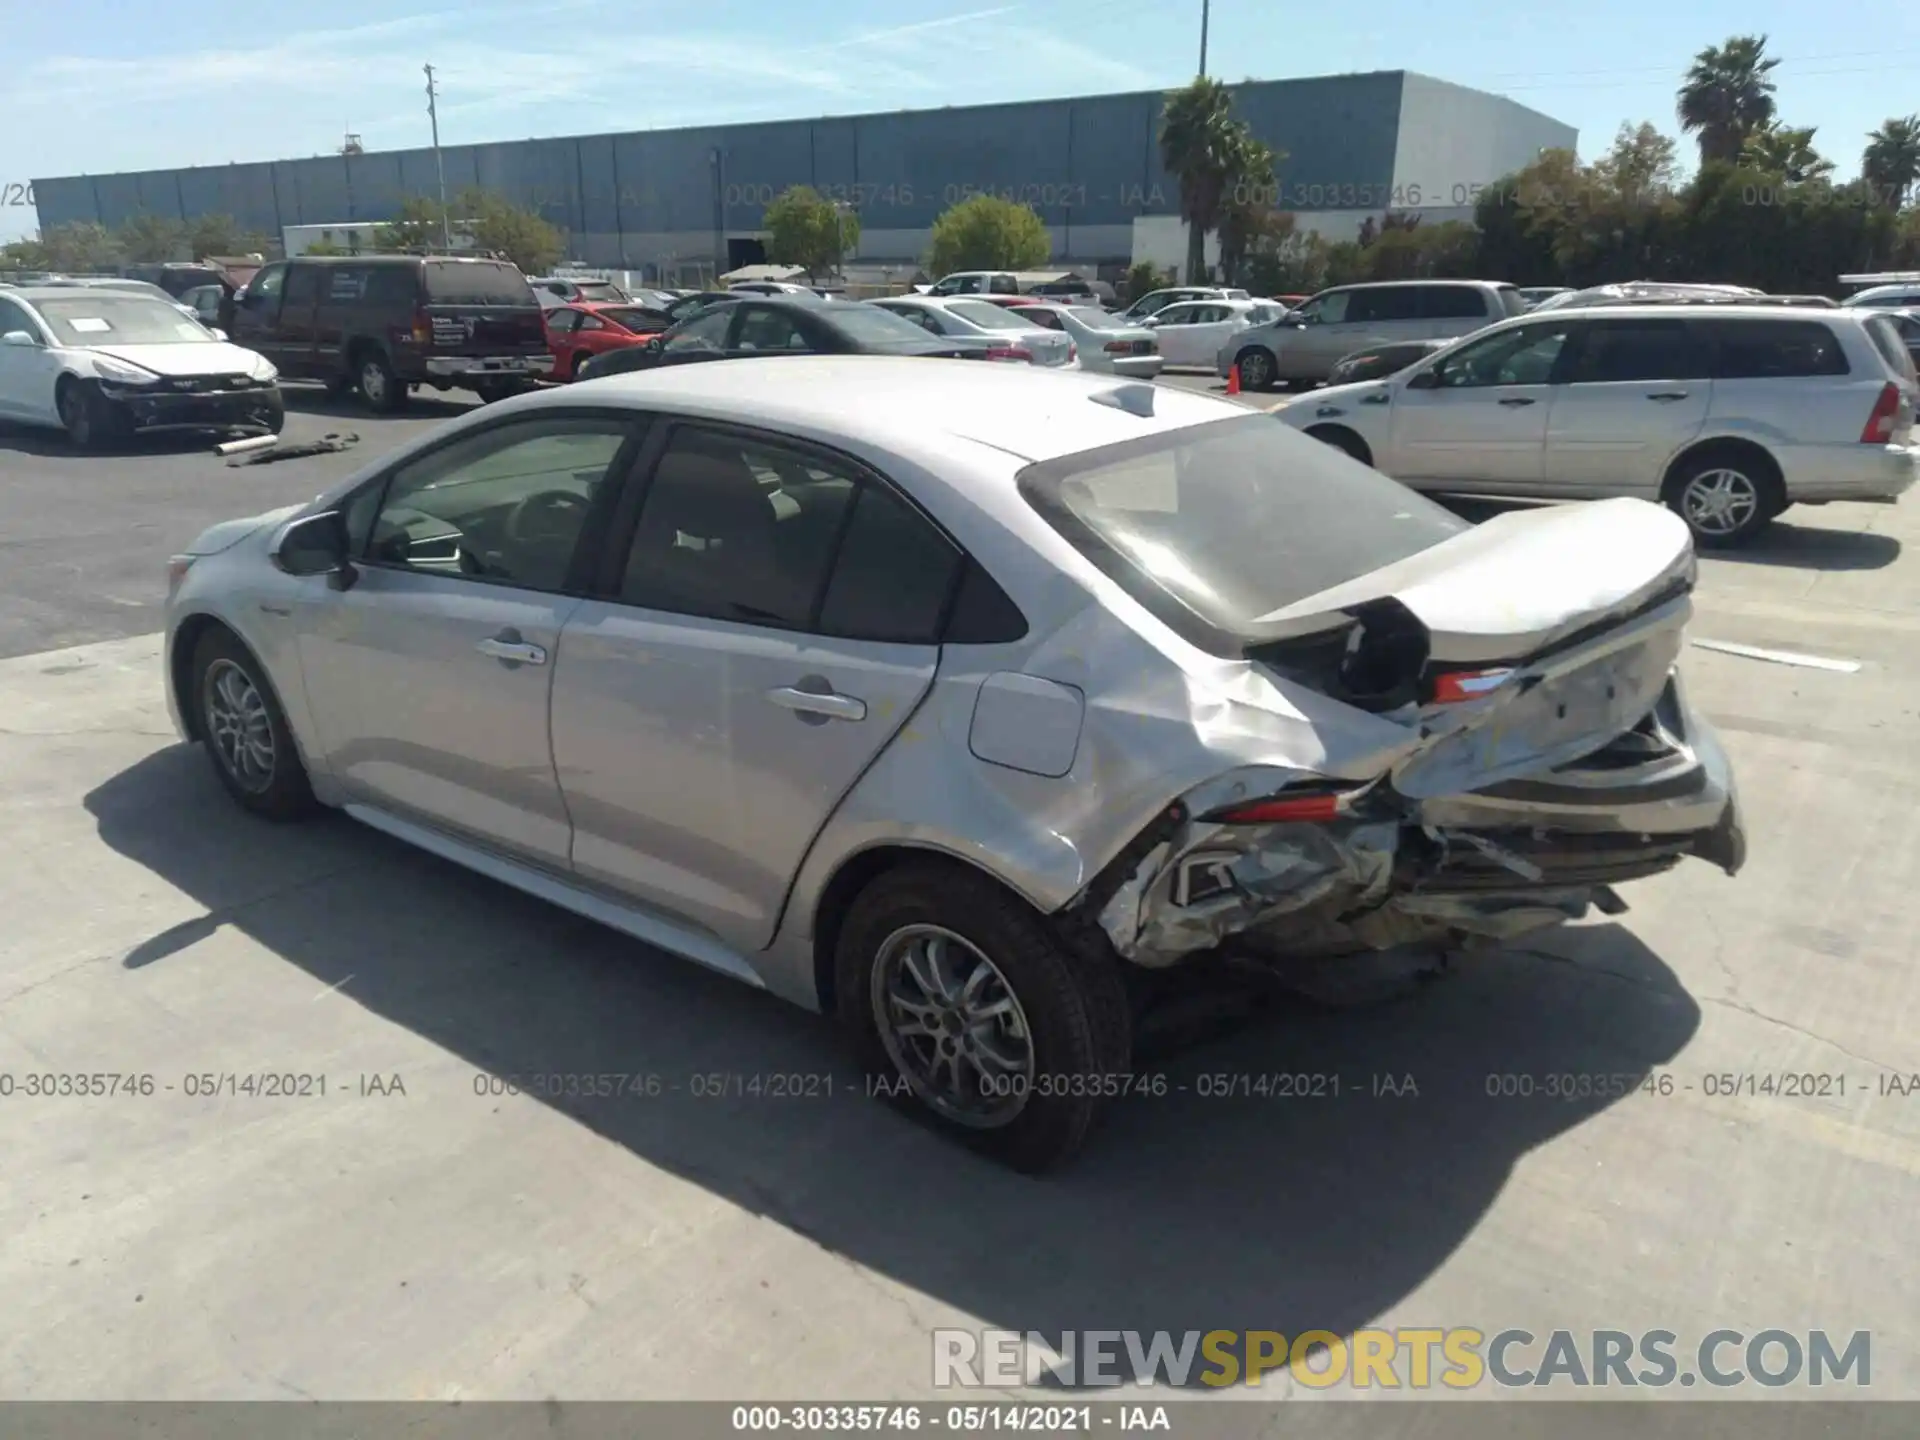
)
(1774, 349)
(990, 317)
(600, 290)
(635, 319)
(1458, 302)
(1215, 526)
(477, 282)
(871, 324)
(1890, 338)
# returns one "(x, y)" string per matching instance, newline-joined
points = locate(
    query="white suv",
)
(1727, 414)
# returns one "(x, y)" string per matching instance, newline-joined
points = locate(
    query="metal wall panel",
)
(1085, 164)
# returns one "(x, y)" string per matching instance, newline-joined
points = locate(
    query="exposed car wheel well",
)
(186, 640)
(853, 876)
(1341, 438)
(1732, 451)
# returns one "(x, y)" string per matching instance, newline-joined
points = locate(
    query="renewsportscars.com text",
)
(1460, 1358)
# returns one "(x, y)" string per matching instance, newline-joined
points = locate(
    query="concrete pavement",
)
(409, 1233)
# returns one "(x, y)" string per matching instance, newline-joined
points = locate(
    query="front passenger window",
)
(1521, 356)
(507, 506)
(708, 332)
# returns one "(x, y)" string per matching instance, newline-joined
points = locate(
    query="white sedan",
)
(1016, 337)
(104, 363)
(1192, 331)
(1108, 345)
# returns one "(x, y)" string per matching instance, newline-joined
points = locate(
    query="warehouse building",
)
(679, 202)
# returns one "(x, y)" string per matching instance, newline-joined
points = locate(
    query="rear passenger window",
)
(303, 286)
(392, 285)
(1452, 302)
(1389, 302)
(1774, 349)
(892, 576)
(1627, 350)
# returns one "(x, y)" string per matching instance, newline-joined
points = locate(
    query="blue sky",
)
(105, 85)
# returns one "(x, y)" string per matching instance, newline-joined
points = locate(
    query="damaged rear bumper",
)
(1497, 862)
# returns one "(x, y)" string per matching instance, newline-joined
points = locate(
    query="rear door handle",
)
(514, 652)
(826, 704)
(1514, 400)
(1666, 396)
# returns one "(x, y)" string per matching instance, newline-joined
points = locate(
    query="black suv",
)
(384, 324)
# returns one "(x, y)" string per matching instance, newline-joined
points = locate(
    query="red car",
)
(577, 331)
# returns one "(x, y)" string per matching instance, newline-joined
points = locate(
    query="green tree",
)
(221, 235)
(1144, 278)
(1787, 152)
(1890, 165)
(326, 247)
(1246, 208)
(805, 228)
(146, 238)
(514, 232)
(988, 233)
(82, 245)
(1641, 164)
(24, 254)
(1728, 95)
(1200, 144)
(417, 228)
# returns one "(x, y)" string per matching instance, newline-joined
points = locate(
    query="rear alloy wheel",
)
(383, 393)
(1724, 501)
(93, 422)
(245, 730)
(959, 995)
(1257, 368)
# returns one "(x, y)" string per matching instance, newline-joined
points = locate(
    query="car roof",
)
(1397, 284)
(889, 403)
(1717, 310)
(35, 293)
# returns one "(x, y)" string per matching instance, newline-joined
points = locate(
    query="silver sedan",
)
(1107, 344)
(944, 698)
(1015, 336)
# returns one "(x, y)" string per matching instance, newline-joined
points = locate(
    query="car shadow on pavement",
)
(1218, 1204)
(1805, 547)
(53, 444)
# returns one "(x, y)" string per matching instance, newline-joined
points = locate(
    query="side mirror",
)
(317, 545)
(18, 337)
(216, 332)
(1424, 380)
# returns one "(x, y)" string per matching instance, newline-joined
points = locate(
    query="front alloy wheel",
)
(239, 729)
(1256, 368)
(952, 1026)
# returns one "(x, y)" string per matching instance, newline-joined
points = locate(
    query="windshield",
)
(1213, 526)
(601, 290)
(477, 282)
(990, 317)
(871, 324)
(110, 317)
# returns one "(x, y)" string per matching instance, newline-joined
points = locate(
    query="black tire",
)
(1343, 440)
(1077, 1026)
(374, 378)
(225, 671)
(94, 423)
(1258, 368)
(273, 414)
(1726, 497)
(491, 392)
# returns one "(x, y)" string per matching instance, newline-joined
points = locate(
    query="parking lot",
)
(412, 1234)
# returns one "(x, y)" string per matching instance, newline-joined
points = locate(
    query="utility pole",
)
(1205, 6)
(439, 166)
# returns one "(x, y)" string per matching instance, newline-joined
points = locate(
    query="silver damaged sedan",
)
(948, 697)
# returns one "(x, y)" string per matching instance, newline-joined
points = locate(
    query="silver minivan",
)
(1305, 344)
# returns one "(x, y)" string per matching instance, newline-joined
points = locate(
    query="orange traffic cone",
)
(1233, 378)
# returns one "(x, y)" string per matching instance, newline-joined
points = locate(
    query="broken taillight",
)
(1453, 687)
(1886, 410)
(1303, 808)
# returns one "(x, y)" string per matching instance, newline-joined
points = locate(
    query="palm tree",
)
(1200, 144)
(1247, 203)
(1891, 162)
(1728, 95)
(1787, 152)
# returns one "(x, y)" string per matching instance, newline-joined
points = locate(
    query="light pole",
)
(1205, 7)
(439, 166)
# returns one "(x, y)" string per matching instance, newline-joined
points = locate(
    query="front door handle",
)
(1516, 400)
(827, 704)
(512, 650)
(1666, 396)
